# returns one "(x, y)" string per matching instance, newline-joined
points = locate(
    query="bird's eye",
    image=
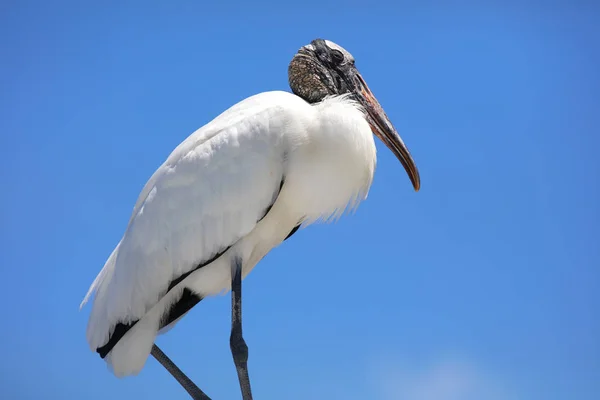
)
(337, 56)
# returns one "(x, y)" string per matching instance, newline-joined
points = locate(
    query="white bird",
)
(232, 191)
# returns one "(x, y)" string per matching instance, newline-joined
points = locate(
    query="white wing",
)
(209, 193)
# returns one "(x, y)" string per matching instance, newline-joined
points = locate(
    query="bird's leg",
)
(239, 350)
(182, 378)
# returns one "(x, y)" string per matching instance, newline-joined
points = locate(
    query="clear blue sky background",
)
(484, 285)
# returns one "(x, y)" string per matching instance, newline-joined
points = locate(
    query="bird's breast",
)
(332, 170)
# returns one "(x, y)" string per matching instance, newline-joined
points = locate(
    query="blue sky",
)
(484, 285)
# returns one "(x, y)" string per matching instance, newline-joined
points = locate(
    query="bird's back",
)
(210, 192)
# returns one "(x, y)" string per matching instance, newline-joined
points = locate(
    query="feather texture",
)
(210, 197)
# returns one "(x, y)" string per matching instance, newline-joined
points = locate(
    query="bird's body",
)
(237, 186)
(232, 191)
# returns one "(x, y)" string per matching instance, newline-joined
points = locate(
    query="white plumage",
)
(212, 193)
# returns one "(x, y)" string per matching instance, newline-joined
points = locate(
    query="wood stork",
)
(228, 194)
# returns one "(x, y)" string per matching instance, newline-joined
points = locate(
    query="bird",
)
(232, 191)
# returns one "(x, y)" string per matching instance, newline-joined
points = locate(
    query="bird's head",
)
(323, 68)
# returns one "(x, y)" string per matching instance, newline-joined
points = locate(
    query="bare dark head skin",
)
(324, 68)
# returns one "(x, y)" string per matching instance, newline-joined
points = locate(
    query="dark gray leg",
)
(183, 380)
(239, 350)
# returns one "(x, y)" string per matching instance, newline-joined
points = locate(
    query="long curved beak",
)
(385, 131)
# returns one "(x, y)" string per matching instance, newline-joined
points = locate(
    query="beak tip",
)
(416, 180)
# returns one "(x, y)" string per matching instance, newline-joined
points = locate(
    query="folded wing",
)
(211, 192)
